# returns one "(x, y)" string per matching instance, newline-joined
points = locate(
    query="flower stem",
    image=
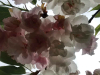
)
(93, 16)
(28, 68)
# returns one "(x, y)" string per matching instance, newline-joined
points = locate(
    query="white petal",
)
(80, 19)
(48, 72)
(52, 4)
(86, 7)
(14, 12)
(72, 67)
(21, 1)
(23, 60)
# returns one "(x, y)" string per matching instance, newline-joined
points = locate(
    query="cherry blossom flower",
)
(91, 46)
(68, 7)
(11, 23)
(30, 22)
(37, 41)
(61, 61)
(40, 61)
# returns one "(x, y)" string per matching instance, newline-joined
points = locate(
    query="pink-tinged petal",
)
(24, 60)
(30, 22)
(38, 41)
(16, 45)
(71, 7)
(22, 1)
(59, 24)
(15, 13)
(40, 61)
(46, 25)
(67, 26)
(35, 10)
(91, 46)
(11, 23)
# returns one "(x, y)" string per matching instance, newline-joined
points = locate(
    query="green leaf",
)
(34, 1)
(8, 60)
(97, 15)
(3, 73)
(96, 8)
(97, 29)
(12, 70)
(4, 13)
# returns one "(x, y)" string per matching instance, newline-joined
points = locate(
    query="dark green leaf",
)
(8, 60)
(96, 8)
(97, 29)
(34, 1)
(12, 70)
(3, 73)
(97, 15)
(4, 13)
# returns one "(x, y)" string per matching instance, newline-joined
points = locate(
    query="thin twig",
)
(9, 2)
(13, 6)
(93, 16)
(28, 69)
(26, 6)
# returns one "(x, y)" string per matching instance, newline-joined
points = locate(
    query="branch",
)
(28, 68)
(93, 16)
(12, 6)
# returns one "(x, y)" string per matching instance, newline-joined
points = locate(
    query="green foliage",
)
(3, 73)
(4, 13)
(96, 8)
(34, 1)
(97, 29)
(12, 70)
(97, 15)
(8, 60)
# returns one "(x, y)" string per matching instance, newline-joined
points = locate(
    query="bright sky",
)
(86, 62)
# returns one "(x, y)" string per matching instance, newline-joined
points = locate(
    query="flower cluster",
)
(49, 42)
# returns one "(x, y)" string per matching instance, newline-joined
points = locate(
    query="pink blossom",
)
(37, 41)
(30, 22)
(59, 24)
(46, 25)
(91, 46)
(40, 61)
(17, 45)
(11, 23)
